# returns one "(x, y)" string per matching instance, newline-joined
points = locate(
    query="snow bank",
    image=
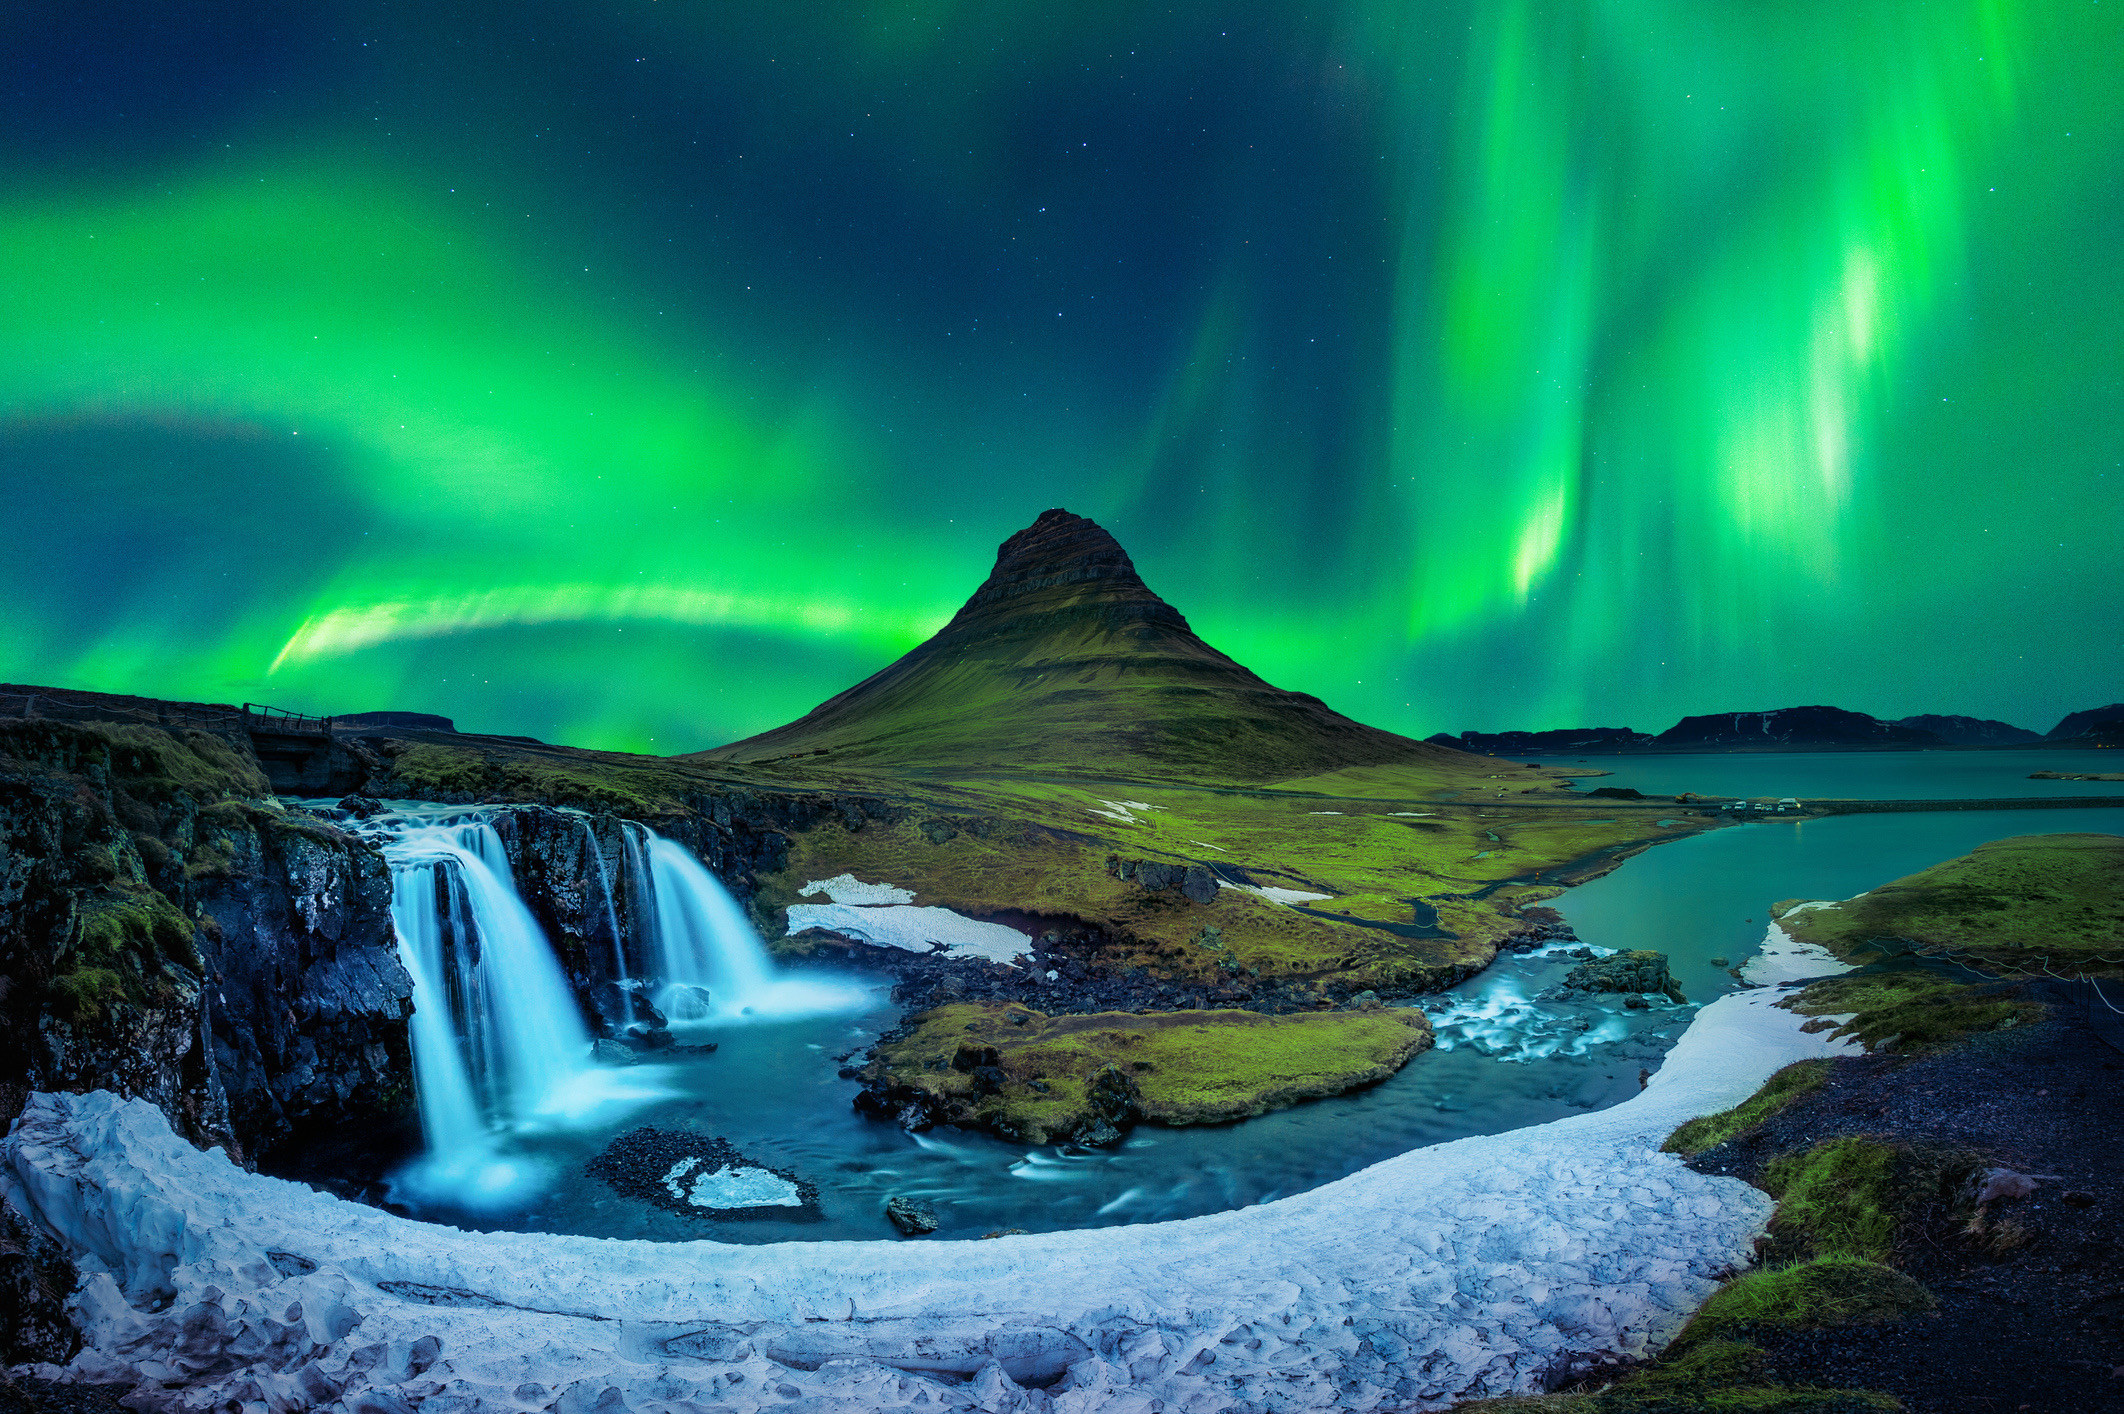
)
(847, 888)
(915, 929)
(1474, 1267)
(1785, 958)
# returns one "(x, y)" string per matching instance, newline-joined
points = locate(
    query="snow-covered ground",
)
(1786, 959)
(1474, 1267)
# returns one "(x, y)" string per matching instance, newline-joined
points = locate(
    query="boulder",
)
(912, 1216)
(1640, 970)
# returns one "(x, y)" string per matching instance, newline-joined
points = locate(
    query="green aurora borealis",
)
(641, 374)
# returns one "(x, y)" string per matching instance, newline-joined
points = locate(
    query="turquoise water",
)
(1860, 775)
(772, 1088)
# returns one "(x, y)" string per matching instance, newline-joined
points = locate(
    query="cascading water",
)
(499, 1044)
(715, 968)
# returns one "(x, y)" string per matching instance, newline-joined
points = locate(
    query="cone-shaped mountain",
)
(1064, 660)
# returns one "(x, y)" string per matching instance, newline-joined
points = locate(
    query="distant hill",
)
(1065, 661)
(2103, 725)
(1790, 728)
(1968, 731)
(1567, 739)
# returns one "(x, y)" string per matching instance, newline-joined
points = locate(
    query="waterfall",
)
(714, 965)
(499, 1044)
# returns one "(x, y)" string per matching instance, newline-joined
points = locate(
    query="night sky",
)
(640, 373)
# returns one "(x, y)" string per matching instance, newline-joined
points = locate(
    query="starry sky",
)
(638, 374)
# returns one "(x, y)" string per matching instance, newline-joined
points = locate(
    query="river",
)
(1504, 1060)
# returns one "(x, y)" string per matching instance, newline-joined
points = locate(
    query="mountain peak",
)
(1064, 660)
(1062, 570)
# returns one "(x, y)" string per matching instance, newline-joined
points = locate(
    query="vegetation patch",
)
(2007, 903)
(1836, 1198)
(1780, 1090)
(1834, 1290)
(1039, 1077)
(1909, 1010)
(583, 779)
(1712, 1375)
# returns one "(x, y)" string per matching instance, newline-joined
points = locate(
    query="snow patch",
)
(1274, 894)
(1323, 812)
(915, 929)
(847, 888)
(1786, 959)
(731, 1187)
(1124, 810)
(1473, 1268)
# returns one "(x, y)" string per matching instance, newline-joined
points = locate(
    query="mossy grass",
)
(639, 786)
(1187, 1067)
(1910, 1009)
(1712, 1375)
(1036, 852)
(2011, 904)
(149, 764)
(1837, 1197)
(1799, 1078)
(1832, 1290)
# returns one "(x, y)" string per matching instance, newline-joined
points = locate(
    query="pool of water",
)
(1858, 775)
(1504, 1060)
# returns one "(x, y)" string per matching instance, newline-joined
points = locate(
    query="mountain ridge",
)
(1063, 659)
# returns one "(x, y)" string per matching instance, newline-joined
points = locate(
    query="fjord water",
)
(1856, 775)
(1504, 1060)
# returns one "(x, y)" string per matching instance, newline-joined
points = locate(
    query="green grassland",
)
(2007, 904)
(1193, 1067)
(1035, 852)
(1016, 848)
(1908, 1010)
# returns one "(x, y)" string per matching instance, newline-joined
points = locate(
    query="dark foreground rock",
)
(1638, 970)
(2030, 1288)
(912, 1216)
(167, 930)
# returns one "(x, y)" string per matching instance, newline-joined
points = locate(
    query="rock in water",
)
(1640, 970)
(911, 1216)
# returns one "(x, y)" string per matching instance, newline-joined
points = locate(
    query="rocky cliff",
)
(168, 931)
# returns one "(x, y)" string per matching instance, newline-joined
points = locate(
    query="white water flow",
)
(450, 1121)
(499, 1044)
(715, 968)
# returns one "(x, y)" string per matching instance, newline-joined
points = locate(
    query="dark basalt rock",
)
(640, 1165)
(1616, 793)
(36, 1277)
(168, 931)
(1640, 970)
(1196, 882)
(912, 1216)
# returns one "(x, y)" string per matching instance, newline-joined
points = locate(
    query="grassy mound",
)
(2010, 902)
(1833, 1290)
(1037, 1077)
(1908, 1011)
(1778, 1091)
(1714, 1375)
